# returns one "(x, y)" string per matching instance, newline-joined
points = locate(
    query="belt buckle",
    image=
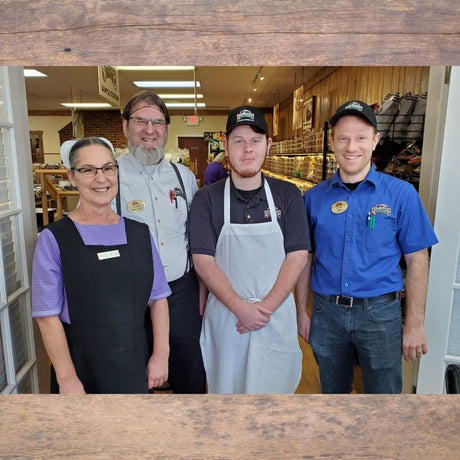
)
(344, 300)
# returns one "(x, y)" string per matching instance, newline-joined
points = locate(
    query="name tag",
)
(136, 206)
(108, 255)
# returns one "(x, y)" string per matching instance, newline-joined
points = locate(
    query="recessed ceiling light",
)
(180, 96)
(86, 105)
(156, 68)
(184, 105)
(33, 73)
(166, 84)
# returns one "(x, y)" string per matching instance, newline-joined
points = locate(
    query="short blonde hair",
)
(220, 158)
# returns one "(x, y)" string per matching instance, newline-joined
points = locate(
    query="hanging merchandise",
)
(400, 122)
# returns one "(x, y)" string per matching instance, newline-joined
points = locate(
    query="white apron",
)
(265, 361)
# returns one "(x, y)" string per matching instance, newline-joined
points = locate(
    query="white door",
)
(18, 233)
(442, 319)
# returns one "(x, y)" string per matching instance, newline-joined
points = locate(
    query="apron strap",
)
(227, 201)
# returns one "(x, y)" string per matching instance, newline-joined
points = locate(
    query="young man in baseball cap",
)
(249, 239)
(362, 222)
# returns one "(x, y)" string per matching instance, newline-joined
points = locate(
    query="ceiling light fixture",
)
(33, 73)
(253, 87)
(184, 105)
(86, 105)
(180, 96)
(166, 84)
(157, 68)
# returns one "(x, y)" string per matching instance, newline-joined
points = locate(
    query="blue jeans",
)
(369, 334)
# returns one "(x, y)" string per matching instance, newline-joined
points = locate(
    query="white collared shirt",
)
(152, 194)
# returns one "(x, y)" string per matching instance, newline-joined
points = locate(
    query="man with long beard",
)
(249, 239)
(159, 193)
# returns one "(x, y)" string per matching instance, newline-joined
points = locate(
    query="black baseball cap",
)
(246, 115)
(359, 108)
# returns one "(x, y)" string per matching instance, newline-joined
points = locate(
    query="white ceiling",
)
(223, 87)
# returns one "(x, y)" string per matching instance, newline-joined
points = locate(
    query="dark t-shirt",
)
(207, 214)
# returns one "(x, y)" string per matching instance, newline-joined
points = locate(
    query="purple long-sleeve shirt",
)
(48, 291)
(214, 172)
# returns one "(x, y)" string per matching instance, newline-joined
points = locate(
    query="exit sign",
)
(192, 120)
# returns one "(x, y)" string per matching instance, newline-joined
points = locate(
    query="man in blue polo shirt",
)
(361, 223)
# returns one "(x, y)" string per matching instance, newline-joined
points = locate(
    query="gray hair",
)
(84, 142)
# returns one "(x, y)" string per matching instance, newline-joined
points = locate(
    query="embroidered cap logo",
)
(244, 115)
(354, 106)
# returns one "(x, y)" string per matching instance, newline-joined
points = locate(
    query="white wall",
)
(444, 281)
(50, 127)
(178, 127)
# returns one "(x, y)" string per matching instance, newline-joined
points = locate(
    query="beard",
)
(147, 156)
(244, 173)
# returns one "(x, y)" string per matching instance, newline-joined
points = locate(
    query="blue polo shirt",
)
(359, 236)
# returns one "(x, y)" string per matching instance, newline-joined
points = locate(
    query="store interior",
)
(296, 101)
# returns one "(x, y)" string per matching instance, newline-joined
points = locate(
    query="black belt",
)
(349, 302)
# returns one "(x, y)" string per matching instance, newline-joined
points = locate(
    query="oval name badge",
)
(339, 206)
(136, 206)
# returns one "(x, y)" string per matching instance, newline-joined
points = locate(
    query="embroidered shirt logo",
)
(381, 209)
(267, 213)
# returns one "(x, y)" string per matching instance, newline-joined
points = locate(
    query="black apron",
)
(108, 304)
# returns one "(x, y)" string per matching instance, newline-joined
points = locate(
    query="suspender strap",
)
(118, 197)
(181, 182)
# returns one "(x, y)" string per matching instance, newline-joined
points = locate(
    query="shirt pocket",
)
(380, 233)
(178, 213)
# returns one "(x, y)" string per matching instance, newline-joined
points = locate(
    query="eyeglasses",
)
(89, 171)
(156, 122)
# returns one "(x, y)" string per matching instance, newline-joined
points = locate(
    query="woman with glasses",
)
(95, 274)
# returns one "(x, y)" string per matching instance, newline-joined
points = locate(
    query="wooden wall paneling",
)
(164, 32)
(367, 83)
(375, 78)
(420, 80)
(372, 82)
(410, 80)
(389, 84)
(424, 82)
(376, 91)
(401, 79)
(355, 87)
(387, 81)
(415, 71)
(342, 85)
(362, 83)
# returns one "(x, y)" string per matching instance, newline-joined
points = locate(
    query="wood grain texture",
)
(266, 32)
(230, 426)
